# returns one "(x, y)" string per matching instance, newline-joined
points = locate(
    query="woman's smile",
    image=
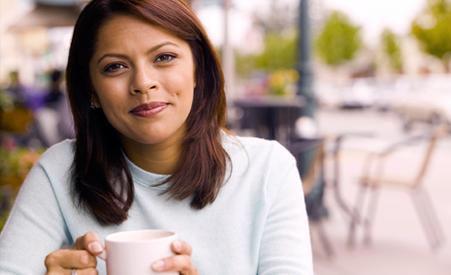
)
(149, 109)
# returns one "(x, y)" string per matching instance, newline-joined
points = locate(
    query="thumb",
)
(90, 242)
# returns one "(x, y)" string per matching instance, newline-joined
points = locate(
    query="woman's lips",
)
(149, 109)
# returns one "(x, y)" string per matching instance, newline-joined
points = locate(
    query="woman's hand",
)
(80, 257)
(180, 262)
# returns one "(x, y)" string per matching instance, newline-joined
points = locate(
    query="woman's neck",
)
(159, 158)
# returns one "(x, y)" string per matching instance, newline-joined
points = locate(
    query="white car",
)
(327, 95)
(427, 100)
(359, 94)
(389, 91)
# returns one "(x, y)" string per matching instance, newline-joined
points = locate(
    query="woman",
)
(147, 94)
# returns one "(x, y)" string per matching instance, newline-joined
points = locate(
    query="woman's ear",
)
(95, 101)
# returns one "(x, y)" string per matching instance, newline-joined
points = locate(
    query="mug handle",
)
(103, 255)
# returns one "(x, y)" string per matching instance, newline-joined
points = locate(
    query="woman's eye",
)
(114, 67)
(164, 57)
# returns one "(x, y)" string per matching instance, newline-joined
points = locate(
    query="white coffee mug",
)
(134, 252)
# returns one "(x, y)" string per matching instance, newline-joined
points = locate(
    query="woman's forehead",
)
(132, 24)
(121, 30)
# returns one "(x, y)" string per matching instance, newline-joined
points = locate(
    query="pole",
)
(304, 67)
(228, 57)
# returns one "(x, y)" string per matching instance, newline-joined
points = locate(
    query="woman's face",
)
(143, 79)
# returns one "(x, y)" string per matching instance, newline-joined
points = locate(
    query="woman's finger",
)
(181, 247)
(84, 271)
(181, 263)
(68, 259)
(90, 242)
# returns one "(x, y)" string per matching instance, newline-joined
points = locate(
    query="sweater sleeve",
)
(34, 229)
(285, 246)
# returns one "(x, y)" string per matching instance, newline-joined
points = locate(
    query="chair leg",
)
(433, 216)
(429, 231)
(325, 241)
(428, 217)
(355, 218)
(367, 223)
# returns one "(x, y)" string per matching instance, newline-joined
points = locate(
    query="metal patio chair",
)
(374, 178)
(312, 152)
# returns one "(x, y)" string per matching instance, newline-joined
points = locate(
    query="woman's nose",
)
(143, 81)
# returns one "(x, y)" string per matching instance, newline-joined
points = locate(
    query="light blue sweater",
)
(257, 225)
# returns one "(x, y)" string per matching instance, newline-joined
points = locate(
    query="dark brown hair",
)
(101, 180)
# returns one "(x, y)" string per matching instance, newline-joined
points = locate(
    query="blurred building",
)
(35, 37)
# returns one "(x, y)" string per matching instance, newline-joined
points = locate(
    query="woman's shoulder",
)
(59, 155)
(255, 147)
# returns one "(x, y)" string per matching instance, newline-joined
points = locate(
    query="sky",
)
(375, 15)
(372, 15)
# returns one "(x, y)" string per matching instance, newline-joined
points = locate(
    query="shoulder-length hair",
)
(101, 181)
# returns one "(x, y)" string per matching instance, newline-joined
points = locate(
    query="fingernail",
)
(158, 265)
(95, 247)
(177, 245)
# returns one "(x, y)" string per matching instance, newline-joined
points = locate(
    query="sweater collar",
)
(144, 178)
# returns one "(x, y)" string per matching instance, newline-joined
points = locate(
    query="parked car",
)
(427, 100)
(389, 91)
(359, 94)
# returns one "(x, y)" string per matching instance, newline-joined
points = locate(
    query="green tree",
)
(339, 40)
(280, 53)
(391, 47)
(432, 28)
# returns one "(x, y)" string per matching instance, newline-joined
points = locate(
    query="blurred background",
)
(358, 91)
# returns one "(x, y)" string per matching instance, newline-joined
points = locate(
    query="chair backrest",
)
(315, 160)
(309, 154)
(314, 170)
(437, 133)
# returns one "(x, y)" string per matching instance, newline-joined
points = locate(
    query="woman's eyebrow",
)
(110, 55)
(154, 48)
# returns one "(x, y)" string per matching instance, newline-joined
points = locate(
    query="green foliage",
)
(339, 40)
(283, 82)
(6, 101)
(244, 65)
(433, 29)
(15, 163)
(390, 45)
(280, 53)
(281, 40)
(5, 207)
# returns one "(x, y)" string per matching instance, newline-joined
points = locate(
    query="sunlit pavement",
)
(399, 244)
